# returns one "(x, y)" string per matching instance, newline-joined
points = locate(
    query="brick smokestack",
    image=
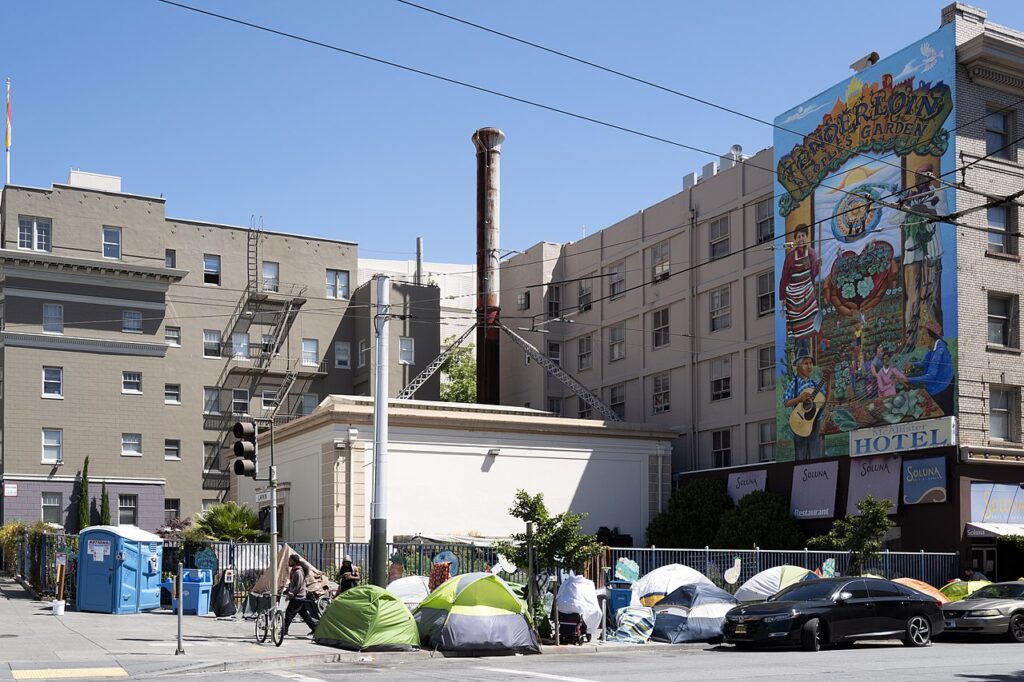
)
(488, 225)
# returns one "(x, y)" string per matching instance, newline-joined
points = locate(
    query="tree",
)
(693, 515)
(760, 519)
(226, 522)
(458, 374)
(860, 535)
(83, 498)
(104, 505)
(558, 541)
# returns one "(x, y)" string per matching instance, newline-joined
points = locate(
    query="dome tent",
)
(691, 613)
(955, 590)
(771, 581)
(410, 590)
(923, 588)
(367, 618)
(654, 586)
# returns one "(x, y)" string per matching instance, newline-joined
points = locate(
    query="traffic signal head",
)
(245, 449)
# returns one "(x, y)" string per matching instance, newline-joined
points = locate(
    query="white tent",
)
(653, 587)
(411, 589)
(578, 595)
(770, 581)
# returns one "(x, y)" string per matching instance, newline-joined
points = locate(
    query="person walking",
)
(296, 592)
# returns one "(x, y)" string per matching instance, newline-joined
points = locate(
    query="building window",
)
(765, 219)
(721, 379)
(53, 382)
(765, 293)
(585, 293)
(406, 350)
(172, 449)
(337, 284)
(584, 355)
(240, 401)
(766, 441)
(617, 280)
(131, 382)
(617, 400)
(211, 459)
(555, 352)
(111, 242)
(172, 336)
(554, 301)
(660, 262)
(211, 269)
(310, 352)
(721, 317)
(721, 447)
(131, 444)
(172, 510)
(34, 233)
(1000, 238)
(127, 510)
(53, 318)
(267, 344)
(1001, 320)
(211, 343)
(718, 237)
(659, 328)
(240, 346)
(616, 342)
(209, 503)
(997, 134)
(662, 392)
(1002, 413)
(523, 300)
(268, 400)
(172, 394)
(131, 321)
(170, 258)
(766, 368)
(555, 406)
(53, 508)
(211, 400)
(583, 410)
(342, 355)
(309, 403)
(53, 446)
(271, 276)
(362, 352)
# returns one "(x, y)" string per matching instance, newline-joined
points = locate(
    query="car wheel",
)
(919, 632)
(810, 635)
(1016, 629)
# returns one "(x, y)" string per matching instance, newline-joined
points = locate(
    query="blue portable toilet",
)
(118, 569)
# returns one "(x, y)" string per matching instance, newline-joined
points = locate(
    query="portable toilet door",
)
(96, 564)
(151, 556)
(126, 591)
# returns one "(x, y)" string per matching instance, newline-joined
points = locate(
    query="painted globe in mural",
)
(856, 214)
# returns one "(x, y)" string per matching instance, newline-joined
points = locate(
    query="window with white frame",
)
(583, 409)
(53, 446)
(660, 262)
(1002, 320)
(721, 315)
(211, 343)
(718, 237)
(406, 350)
(766, 293)
(662, 389)
(172, 336)
(240, 346)
(616, 279)
(240, 401)
(53, 382)
(211, 458)
(268, 400)
(721, 448)
(207, 503)
(309, 403)
(554, 301)
(660, 336)
(211, 400)
(617, 399)
(172, 510)
(555, 352)
(172, 394)
(172, 448)
(211, 269)
(584, 352)
(131, 444)
(127, 510)
(342, 355)
(53, 508)
(1002, 236)
(53, 318)
(721, 379)
(765, 219)
(131, 321)
(766, 368)
(363, 350)
(766, 441)
(616, 342)
(267, 344)
(34, 233)
(997, 134)
(271, 276)
(523, 300)
(1003, 420)
(170, 258)
(585, 293)
(337, 284)
(131, 382)
(310, 352)
(111, 242)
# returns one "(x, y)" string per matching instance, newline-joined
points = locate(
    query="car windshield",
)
(999, 592)
(811, 590)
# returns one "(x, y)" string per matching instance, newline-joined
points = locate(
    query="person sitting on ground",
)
(296, 592)
(348, 576)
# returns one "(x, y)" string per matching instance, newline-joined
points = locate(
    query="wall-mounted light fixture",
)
(493, 452)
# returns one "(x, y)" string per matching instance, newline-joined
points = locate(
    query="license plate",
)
(950, 624)
(741, 629)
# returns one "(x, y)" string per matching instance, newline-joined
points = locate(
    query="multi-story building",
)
(136, 340)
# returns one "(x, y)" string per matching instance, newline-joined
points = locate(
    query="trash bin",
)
(118, 569)
(196, 584)
(620, 593)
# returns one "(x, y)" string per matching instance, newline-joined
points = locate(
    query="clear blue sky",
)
(227, 122)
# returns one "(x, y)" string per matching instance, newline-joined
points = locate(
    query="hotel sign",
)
(918, 435)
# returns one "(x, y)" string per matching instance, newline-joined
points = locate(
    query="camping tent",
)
(316, 581)
(955, 590)
(410, 590)
(691, 613)
(923, 588)
(578, 595)
(653, 587)
(367, 618)
(771, 581)
(475, 612)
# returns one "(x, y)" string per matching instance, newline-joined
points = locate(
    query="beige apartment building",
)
(136, 340)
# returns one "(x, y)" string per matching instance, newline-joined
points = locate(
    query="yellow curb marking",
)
(67, 673)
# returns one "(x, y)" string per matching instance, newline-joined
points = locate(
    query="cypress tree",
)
(83, 498)
(104, 505)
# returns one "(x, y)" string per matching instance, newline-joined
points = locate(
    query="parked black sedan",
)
(815, 613)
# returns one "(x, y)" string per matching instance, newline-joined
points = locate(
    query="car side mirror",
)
(844, 597)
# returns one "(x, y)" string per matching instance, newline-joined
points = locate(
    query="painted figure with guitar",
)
(807, 398)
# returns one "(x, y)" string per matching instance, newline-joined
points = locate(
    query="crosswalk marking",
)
(295, 676)
(540, 676)
(67, 673)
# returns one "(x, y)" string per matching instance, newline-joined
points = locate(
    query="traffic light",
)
(245, 449)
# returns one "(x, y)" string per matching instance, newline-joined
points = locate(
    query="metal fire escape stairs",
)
(429, 371)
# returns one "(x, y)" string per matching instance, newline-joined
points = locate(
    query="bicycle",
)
(270, 619)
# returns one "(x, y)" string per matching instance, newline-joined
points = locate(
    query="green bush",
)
(693, 515)
(761, 519)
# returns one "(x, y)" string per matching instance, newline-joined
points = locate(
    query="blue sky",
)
(228, 122)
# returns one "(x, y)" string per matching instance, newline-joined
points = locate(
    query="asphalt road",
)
(978, 660)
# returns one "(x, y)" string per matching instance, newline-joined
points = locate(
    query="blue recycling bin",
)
(118, 569)
(620, 594)
(196, 585)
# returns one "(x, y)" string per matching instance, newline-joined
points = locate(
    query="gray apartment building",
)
(136, 340)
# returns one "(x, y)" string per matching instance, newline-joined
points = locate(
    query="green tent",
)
(475, 613)
(958, 589)
(367, 618)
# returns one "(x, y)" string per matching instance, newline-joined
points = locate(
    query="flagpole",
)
(7, 132)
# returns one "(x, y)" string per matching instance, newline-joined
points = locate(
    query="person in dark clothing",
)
(348, 576)
(296, 592)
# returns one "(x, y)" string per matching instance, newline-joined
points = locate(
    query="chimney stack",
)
(488, 225)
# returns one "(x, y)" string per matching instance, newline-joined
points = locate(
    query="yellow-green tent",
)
(367, 618)
(958, 589)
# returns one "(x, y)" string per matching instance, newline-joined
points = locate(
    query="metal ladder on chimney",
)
(253, 238)
(428, 371)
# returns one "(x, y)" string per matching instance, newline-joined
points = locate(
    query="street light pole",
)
(379, 507)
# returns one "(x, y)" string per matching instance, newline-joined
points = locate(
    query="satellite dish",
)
(505, 565)
(736, 151)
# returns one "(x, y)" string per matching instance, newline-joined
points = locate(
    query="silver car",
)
(996, 609)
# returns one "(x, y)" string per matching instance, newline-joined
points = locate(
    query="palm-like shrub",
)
(227, 521)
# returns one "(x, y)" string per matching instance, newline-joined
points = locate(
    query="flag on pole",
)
(7, 133)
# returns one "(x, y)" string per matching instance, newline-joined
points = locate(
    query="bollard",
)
(181, 606)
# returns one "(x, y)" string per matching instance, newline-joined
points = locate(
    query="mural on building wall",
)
(865, 271)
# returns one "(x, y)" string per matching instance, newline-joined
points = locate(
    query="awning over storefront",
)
(993, 530)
